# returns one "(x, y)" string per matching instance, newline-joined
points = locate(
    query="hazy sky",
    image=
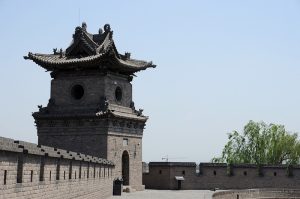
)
(219, 65)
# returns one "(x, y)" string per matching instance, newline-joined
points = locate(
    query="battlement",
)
(10, 145)
(166, 175)
(185, 164)
(38, 171)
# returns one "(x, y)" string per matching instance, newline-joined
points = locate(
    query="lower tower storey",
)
(114, 134)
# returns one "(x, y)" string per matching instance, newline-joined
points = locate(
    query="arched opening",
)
(125, 168)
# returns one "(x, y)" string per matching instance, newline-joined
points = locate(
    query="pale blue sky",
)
(220, 64)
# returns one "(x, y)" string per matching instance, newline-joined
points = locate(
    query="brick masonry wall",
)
(31, 171)
(157, 178)
(212, 176)
(134, 149)
(96, 86)
(86, 142)
(96, 123)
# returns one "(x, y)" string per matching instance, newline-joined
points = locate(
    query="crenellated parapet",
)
(51, 173)
(189, 175)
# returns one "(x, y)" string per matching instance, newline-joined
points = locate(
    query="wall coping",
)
(219, 165)
(173, 164)
(16, 146)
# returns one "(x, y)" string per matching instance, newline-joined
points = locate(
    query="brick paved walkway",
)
(166, 194)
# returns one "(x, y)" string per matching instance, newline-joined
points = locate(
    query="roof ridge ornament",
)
(83, 26)
(78, 30)
(61, 53)
(127, 55)
(90, 51)
(54, 51)
(107, 28)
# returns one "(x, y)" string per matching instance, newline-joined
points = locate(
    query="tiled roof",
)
(129, 116)
(90, 51)
(112, 111)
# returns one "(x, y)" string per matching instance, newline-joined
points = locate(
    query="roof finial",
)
(107, 28)
(61, 53)
(127, 55)
(84, 26)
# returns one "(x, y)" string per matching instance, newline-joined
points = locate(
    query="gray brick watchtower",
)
(90, 109)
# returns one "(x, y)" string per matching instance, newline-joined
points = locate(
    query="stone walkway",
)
(166, 194)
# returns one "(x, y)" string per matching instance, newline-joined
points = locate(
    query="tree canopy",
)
(261, 143)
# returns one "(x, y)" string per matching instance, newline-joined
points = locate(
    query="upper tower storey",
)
(90, 51)
(89, 72)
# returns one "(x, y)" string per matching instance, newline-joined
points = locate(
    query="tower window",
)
(77, 92)
(125, 142)
(5, 176)
(31, 175)
(118, 94)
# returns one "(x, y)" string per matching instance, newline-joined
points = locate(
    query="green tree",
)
(261, 144)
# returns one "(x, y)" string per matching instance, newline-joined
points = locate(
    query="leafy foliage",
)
(261, 144)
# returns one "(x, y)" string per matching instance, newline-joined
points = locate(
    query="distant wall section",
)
(165, 175)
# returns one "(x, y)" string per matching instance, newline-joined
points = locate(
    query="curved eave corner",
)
(36, 60)
(135, 66)
(49, 64)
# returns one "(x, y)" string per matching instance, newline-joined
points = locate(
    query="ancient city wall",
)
(31, 171)
(161, 175)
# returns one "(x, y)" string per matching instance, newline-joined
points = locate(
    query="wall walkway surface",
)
(258, 194)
